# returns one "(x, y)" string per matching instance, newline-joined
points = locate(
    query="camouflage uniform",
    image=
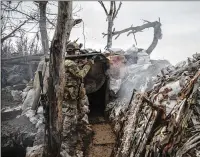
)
(75, 106)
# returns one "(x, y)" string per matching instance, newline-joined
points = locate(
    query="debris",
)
(162, 121)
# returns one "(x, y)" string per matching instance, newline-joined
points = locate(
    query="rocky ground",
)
(18, 126)
(17, 132)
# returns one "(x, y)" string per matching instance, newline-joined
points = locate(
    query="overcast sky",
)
(180, 27)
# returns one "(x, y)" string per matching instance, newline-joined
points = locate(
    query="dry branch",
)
(115, 15)
(16, 10)
(103, 7)
(51, 22)
(132, 30)
(11, 34)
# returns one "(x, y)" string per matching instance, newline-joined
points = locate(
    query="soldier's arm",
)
(80, 73)
(83, 72)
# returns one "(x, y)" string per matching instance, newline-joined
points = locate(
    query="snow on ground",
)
(9, 109)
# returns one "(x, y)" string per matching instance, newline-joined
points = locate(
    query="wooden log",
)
(30, 57)
(4, 64)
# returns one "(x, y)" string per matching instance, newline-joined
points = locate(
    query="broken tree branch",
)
(132, 30)
(77, 21)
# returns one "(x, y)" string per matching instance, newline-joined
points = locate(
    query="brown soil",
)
(103, 140)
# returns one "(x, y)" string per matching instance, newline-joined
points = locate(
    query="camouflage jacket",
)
(74, 75)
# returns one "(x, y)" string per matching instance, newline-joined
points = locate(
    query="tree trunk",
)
(109, 37)
(43, 27)
(56, 79)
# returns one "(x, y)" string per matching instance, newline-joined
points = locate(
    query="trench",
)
(17, 151)
(103, 139)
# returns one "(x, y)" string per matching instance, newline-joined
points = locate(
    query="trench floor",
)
(104, 138)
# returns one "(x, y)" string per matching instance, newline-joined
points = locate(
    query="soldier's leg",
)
(69, 139)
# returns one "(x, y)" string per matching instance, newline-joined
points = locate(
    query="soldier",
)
(75, 106)
(73, 48)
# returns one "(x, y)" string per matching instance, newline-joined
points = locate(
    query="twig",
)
(50, 22)
(31, 17)
(12, 33)
(135, 39)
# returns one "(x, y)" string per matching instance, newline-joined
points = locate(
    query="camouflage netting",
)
(164, 121)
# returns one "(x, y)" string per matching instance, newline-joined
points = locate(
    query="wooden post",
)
(56, 76)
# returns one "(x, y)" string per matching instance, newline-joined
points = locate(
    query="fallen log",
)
(20, 63)
(29, 57)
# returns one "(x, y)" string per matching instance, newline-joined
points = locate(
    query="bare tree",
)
(22, 45)
(64, 25)
(8, 28)
(42, 25)
(111, 15)
(133, 30)
(6, 49)
(12, 25)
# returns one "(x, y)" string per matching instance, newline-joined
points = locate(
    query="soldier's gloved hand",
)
(90, 62)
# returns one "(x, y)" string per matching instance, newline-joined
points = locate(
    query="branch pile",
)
(166, 120)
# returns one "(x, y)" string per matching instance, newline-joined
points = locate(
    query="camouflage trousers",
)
(75, 124)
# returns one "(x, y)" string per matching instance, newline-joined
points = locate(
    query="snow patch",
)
(29, 99)
(35, 151)
(8, 109)
(16, 94)
(145, 86)
(131, 50)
